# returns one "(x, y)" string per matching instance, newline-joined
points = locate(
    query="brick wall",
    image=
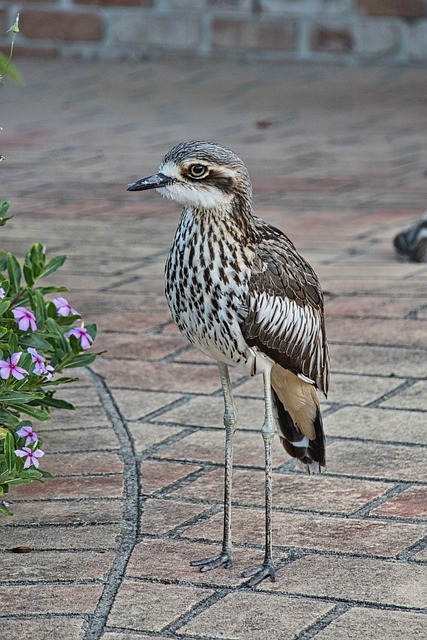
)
(346, 30)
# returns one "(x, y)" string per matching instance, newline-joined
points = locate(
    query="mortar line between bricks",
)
(323, 622)
(129, 534)
(391, 394)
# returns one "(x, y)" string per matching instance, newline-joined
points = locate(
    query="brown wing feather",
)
(285, 316)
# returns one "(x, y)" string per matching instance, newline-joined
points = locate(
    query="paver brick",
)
(150, 607)
(78, 512)
(139, 346)
(85, 417)
(413, 398)
(156, 475)
(113, 635)
(378, 424)
(159, 376)
(50, 598)
(56, 566)
(161, 516)
(370, 623)
(99, 536)
(208, 412)
(145, 435)
(387, 361)
(135, 404)
(317, 493)
(81, 439)
(74, 487)
(91, 462)
(377, 461)
(361, 579)
(208, 445)
(71, 628)
(170, 560)
(412, 503)
(361, 390)
(250, 615)
(352, 535)
(405, 333)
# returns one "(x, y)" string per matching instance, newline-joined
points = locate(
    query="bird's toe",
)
(258, 574)
(224, 559)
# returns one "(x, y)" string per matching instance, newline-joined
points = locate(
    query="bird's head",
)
(200, 175)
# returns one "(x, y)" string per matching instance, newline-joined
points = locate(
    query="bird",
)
(411, 244)
(239, 291)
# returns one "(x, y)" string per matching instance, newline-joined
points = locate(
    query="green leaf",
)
(52, 266)
(6, 417)
(57, 403)
(14, 397)
(4, 207)
(14, 273)
(44, 290)
(63, 380)
(32, 474)
(38, 414)
(36, 341)
(9, 451)
(81, 360)
(34, 263)
(13, 343)
(4, 306)
(5, 511)
(7, 68)
(18, 481)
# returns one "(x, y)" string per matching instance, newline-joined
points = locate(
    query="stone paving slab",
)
(338, 157)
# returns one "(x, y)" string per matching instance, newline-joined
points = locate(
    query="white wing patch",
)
(291, 328)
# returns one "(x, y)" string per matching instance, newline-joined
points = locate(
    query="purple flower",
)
(81, 334)
(31, 456)
(63, 307)
(41, 369)
(2, 293)
(8, 367)
(27, 432)
(25, 319)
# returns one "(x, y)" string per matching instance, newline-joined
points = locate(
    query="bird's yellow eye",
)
(197, 170)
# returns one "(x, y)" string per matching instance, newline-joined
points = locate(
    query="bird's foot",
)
(258, 574)
(224, 559)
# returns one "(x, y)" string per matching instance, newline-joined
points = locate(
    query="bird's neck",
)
(234, 220)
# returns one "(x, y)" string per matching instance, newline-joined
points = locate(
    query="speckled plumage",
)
(239, 290)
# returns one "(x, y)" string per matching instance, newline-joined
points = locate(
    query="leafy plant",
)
(7, 68)
(40, 339)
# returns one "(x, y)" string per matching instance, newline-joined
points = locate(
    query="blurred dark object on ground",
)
(412, 243)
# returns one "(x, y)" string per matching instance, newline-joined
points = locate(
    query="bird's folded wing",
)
(284, 311)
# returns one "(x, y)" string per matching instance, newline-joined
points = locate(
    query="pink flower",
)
(8, 367)
(31, 456)
(25, 319)
(41, 369)
(63, 307)
(81, 334)
(27, 432)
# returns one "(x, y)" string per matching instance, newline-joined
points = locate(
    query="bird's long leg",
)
(267, 569)
(225, 558)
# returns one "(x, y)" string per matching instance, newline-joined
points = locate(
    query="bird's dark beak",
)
(152, 182)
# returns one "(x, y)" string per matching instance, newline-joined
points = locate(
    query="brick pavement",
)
(338, 161)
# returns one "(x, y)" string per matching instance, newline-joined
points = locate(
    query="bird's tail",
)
(298, 414)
